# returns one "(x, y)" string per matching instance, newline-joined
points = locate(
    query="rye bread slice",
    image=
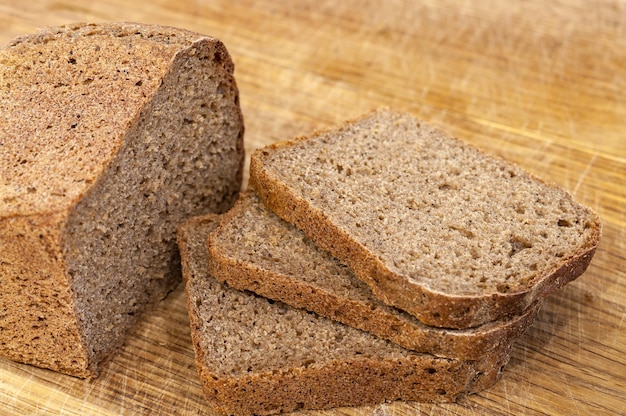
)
(112, 134)
(436, 227)
(258, 356)
(253, 249)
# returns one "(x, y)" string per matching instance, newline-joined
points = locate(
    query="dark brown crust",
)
(462, 344)
(331, 384)
(39, 327)
(346, 384)
(431, 307)
(182, 238)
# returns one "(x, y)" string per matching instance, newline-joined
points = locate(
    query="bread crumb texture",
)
(253, 249)
(433, 209)
(258, 356)
(454, 236)
(111, 135)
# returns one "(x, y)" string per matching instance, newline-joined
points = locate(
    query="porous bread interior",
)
(254, 235)
(182, 158)
(259, 335)
(433, 209)
(256, 356)
(253, 249)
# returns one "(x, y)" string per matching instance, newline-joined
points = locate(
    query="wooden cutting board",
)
(540, 83)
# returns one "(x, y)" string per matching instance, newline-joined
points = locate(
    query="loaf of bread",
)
(255, 250)
(257, 356)
(435, 227)
(111, 135)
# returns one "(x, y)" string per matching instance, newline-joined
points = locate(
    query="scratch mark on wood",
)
(381, 410)
(584, 174)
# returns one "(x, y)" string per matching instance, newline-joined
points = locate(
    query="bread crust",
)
(429, 306)
(38, 326)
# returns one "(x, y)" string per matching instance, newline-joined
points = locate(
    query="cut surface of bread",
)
(112, 135)
(258, 356)
(253, 249)
(436, 227)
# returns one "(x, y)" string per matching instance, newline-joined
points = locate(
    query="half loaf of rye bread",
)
(255, 250)
(112, 134)
(453, 236)
(257, 356)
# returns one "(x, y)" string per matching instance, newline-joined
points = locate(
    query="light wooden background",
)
(541, 83)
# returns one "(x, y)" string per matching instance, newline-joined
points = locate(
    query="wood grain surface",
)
(540, 83)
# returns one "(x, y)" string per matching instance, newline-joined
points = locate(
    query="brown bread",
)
(257, 356)
(255, 250)
(112, 134)
(453, 236)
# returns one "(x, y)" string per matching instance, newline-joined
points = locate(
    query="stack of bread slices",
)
(383, 260)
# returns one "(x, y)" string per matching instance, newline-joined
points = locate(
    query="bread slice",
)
(257, 356)
(112, 134)
(255, 250)
(453, 236)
